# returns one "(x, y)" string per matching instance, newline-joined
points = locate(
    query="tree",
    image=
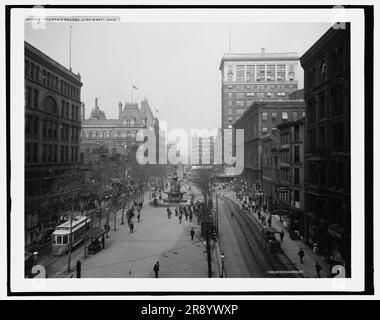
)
(70, 191)
(203, 179)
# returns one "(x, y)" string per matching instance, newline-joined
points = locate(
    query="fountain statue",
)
(175, 195)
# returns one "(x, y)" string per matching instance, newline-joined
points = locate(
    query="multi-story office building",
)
(52, 132)
(288, 195)
(259, 123)
(249, 77)
(202, 150)
(328, 154)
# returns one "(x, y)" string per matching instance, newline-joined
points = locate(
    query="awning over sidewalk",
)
(95, 233)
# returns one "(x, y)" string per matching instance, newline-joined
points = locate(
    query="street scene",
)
(184, 150)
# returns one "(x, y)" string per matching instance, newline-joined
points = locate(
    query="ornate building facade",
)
(116, 137)
(52, 132)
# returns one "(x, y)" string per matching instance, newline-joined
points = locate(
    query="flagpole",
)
(70, 50)
(131, 94)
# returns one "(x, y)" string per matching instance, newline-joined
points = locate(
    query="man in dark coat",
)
(156, 268)
(301, 254)
(192, 232)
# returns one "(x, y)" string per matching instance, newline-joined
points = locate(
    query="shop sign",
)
(281, 189)
(335, 231)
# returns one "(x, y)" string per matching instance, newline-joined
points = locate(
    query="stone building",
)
(52, 132)
(250, 77)
(288, 198)
(116, 138)
(328, 138)
(259, 123)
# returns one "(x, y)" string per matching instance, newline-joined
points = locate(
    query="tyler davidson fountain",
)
(175, 195)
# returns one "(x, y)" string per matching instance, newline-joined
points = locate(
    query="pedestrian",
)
(131, 226)
(180, 218)
(103, 242)
(138, 217)
(315, 248)
(192, 234)
(282, 234)
(156, 268)
(318, 268)
(301, 254)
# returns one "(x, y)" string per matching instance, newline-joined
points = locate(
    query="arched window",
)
(50, 105)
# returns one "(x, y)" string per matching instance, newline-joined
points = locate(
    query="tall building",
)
(259, 123)
(116, 137)
(328, 153)
(202, 150)
(52, 132)
(288, 191)
(250, 77)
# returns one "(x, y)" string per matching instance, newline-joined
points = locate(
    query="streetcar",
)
(61, 235)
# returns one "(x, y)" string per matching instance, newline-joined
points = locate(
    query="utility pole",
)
(217, 214)
(208, 252)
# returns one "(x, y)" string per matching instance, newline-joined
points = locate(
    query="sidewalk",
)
(291, 247)
(155, 238)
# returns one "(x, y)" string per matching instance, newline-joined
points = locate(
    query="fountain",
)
(175, 195)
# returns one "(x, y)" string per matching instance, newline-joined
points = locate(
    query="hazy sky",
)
(175, 65)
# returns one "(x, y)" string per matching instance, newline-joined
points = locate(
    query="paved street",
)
(239, 237)
(240, 240)
(155, 238)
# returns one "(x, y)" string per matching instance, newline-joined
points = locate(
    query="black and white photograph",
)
(188, 149)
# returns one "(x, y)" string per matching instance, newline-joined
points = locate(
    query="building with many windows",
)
(52, 132)
(202, 150)
(287, 189)
(328, 153)
(250, 77)
(116, 138)
(261, 140)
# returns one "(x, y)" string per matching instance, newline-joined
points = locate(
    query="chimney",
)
(96, 103)
(262, 51)
(120, 109)
(83, 111)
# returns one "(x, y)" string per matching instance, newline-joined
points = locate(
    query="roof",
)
(329, 35)
(130, 110)
(64, 227)
(43, 57)
(266, 103)
(95, 233)
(258, 56)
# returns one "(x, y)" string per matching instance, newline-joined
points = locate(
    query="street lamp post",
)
(222, 257)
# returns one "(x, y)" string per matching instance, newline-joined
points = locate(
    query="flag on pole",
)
(134, 87)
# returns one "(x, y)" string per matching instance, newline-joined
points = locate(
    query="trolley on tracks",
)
(61, 236)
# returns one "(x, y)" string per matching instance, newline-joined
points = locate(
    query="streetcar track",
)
(277, 261)
(255, 251)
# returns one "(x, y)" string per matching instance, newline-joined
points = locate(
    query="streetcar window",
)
(59, 240)
(54, 239)
(64, 240)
